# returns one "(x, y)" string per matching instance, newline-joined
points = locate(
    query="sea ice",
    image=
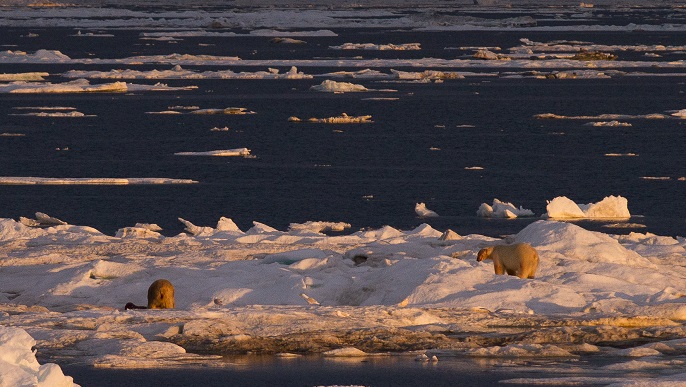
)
(423, 212)
(33, 76)
(177, 72)
(82, 86)
(382, 47)
(501, 209)
(228, 111)
(20, 180)
(344, 118)
(18, 364)
(610, 207)
(338, 87)
(241, 152)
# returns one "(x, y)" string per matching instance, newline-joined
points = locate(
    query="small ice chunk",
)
(423, 212)
(338, 87)
(501, 209)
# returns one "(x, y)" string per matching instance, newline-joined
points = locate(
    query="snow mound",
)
(501, 209)
(423, 212)
(18, 364)
(570, 241)
(609, 208)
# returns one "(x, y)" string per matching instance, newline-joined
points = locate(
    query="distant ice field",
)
(422, 147)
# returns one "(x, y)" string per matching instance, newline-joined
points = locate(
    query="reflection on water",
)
(253, 370)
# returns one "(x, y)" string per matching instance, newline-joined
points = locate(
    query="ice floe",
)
(380, 47)
(301, 291)
(240, 152)
(338, 87)
(33, 76)
(423, 212)
(609, 207)
(344, 118)
(229, 111)
(253, 33)
(177, 72)
(608, 116)
(612, 123)
(21, 180)
(500, 209)
(82, 86)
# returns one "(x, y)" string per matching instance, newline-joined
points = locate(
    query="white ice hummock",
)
(501, 209)
(610, 207)
(18, 364)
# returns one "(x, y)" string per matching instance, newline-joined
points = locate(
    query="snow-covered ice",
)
(423, 212)
(360, 293)
(28, 180)
(177, 72)
(344, 118)
(609, 207)
(338, 87)
(381, 47)
(236, 288)
(500, 209)
(82, 86)
(18, 364)
(242, 152)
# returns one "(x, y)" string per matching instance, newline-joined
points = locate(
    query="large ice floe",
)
(82, 86)
(28, 180)
(177, 72)
(374, 291)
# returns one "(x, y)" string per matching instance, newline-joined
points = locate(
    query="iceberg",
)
(610, 207)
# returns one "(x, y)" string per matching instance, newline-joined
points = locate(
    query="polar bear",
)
(519, 259)
(160, 296)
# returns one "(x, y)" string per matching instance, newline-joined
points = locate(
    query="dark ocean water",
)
(382, 371)
(368, 175)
